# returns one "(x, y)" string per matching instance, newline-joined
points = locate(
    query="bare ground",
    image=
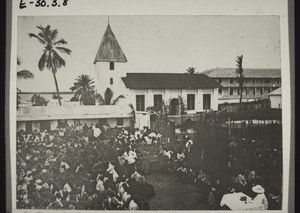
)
(172, 194)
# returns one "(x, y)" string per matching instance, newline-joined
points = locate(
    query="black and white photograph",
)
(148, 112)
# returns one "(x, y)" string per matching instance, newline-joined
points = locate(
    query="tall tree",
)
(50, 58)
(240, 75)
(108, 98)
(191, 70)
(84, 89)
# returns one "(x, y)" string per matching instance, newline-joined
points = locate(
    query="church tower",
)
(107, 61)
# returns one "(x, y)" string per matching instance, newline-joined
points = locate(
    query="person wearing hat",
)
(260, 198)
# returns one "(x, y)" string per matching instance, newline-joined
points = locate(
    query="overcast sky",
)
(151, 44)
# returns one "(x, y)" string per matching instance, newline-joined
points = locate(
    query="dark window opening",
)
(157, 101)
(231, 91)
(267, 80)
(62, 123)
(119, 121)
(112, 65)
(102, 121)
(220, 80)
(231, 80)
(206, 101)
(111, 80)
(140, 103)
(220, 91)
(191, 101)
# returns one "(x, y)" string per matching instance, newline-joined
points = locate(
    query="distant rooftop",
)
(276, 92)
(248, 73)
(168, 81)
(109, 50)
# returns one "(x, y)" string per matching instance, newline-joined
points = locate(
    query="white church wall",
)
(103, 76)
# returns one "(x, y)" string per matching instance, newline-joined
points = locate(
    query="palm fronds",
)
(24, 74)
(191, 70)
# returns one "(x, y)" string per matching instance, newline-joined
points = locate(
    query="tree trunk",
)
(241, 94)
(57, 90)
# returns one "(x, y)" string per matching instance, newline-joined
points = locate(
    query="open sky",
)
(151, 44)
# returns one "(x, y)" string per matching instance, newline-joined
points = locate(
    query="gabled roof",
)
(168, 81)
(109, 50)
(276, 92)
(248, 73)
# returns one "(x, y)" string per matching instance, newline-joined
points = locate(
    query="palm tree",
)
(22, 74)
(240, 76)
(108, 98)
(191, 70)
(84, 89)
(182, 107)
(50, 59)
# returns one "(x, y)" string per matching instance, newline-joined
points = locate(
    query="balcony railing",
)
(244, 96)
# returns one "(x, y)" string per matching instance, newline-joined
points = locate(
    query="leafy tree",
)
(22, 74)
(50, 58)
(38, 100)
(84, 90)
(191, 70)
(108, 98)
(240, 75)
(161, 112)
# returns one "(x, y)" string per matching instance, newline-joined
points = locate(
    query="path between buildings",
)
(172, 194)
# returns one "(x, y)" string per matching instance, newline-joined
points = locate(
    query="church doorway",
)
(174, 106)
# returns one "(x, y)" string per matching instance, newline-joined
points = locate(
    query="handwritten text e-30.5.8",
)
(43, 3)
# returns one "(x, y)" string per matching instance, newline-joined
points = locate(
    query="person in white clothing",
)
(260, 198)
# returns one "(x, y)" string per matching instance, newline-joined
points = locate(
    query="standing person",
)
(131, 161)
(97, 131)
(85, 128)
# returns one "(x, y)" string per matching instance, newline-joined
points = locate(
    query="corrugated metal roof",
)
(248, 73)
(168, 81)
(109, 50)
(33, 113)
(276, 92)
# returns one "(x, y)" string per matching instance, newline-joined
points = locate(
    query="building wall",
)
(104, 74)
(142, 119)
(169, 94)
(254, 88)
(276, 101)
(54, 123)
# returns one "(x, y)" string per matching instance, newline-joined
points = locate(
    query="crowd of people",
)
(92, 167)
(82, 169)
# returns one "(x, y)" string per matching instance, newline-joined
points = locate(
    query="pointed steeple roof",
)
(109, 50)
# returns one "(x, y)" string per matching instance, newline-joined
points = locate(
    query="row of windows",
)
(140, 102)
(252, 80)
(247, 92)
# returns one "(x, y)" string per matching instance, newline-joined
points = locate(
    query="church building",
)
(197, 91)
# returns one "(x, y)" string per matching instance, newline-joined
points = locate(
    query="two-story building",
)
(258, 83)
